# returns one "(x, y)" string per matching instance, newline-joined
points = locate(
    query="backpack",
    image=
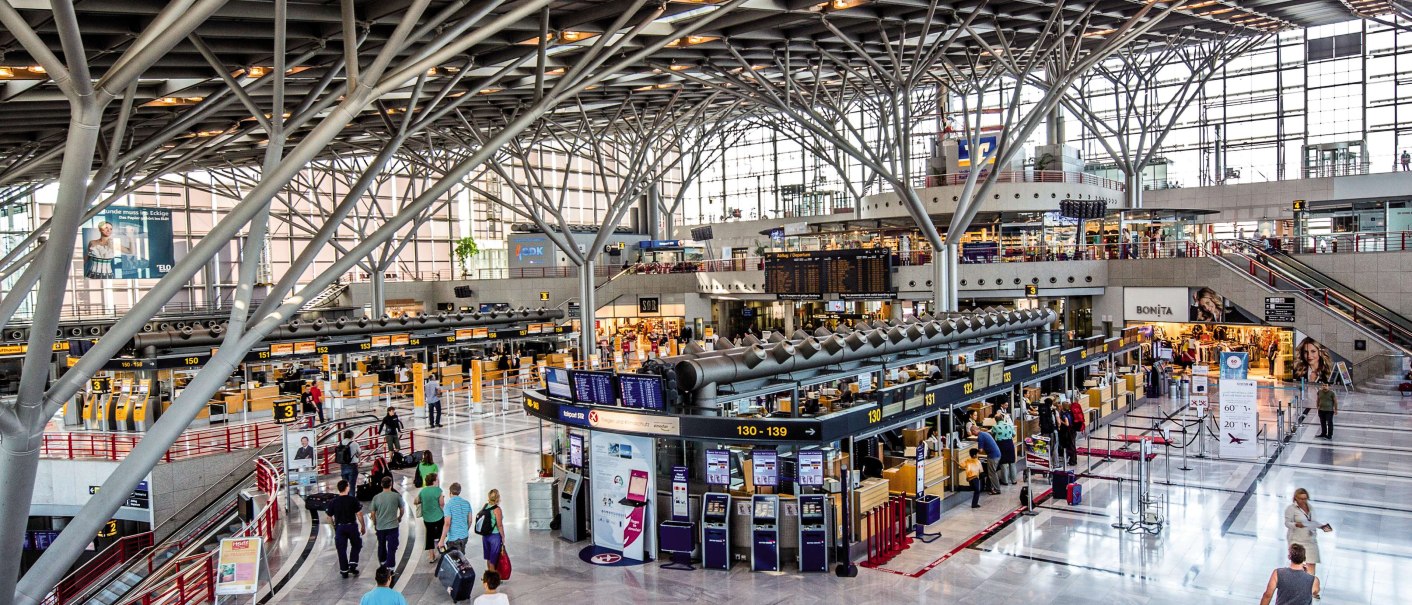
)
(343, 454)
(485, 522)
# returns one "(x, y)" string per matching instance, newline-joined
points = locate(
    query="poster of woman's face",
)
(1207, 306)
(1312, 361)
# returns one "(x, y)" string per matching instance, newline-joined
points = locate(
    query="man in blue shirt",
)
(383, 594)
(458, 520)
(987, 444)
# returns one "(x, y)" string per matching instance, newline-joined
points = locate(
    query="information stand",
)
(715, 531)
(764, 533)
(573, 524)
(813, 534)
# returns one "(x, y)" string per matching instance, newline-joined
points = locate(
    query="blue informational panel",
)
(576, 450)
(987, 144)
(594, 388)
(530, 251)
(765, 468)
(811, 468)
(718, 467)
(642, 391)
(128, 243)
(1235, 365)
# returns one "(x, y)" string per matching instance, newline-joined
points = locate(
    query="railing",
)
(105, 445)
(1026, 176)
(352, 277)
(599, 270)
(1346, 243)
(125, 549)
(1330, 299)
(369, 440)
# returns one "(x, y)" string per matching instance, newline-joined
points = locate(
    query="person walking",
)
(306, 402)
(491, 581)
(317, 394)
(346, 455)
(1068, 450)
(1289, 585)
(391, 427)
(433, 518)
(1328, 408)
(1406, 161)
(348, 528)
(432, 392)
(383, 594)
(426, 466)
(388, 509)
(488, 524)
(457, 528)
(1004, 433)
(972, 467)
(1301, 523)
(986, 442)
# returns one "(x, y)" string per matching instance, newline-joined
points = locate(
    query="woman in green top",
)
(426, 467)
(431, 501)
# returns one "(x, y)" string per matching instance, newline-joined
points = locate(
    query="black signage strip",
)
(903, 404)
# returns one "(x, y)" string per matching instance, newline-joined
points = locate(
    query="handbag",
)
(417, 508)
(502, 564)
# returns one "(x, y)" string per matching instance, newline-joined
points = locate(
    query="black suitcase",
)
(317, 503)
(366, 490)
(455, 573)
(402, 461)
(1061, 481)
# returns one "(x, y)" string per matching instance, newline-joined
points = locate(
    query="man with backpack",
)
(346, 455)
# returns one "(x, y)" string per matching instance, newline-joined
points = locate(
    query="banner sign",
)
(238, 571)
(1235, 365)
(128, 243)
(614, 458)
(1239, 421)
(1155, 304)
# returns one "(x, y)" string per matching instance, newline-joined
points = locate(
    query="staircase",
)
(325, 297)
(1383, 385)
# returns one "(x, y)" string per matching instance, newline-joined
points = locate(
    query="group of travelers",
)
(447, 517)
(995, 437)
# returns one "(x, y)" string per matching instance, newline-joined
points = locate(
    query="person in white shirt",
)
(491, 581)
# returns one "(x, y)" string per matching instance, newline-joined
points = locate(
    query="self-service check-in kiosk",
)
(716, 531)
(573, 521)
(144, 406)
(813, 534)
(765, 533)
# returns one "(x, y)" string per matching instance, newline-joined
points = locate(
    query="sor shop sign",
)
(1155, 304)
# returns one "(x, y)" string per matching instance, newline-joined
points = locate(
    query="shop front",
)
(1191, 326)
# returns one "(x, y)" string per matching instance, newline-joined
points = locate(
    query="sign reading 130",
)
(750, 430)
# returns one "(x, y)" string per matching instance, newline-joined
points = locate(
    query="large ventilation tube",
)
(319, 328)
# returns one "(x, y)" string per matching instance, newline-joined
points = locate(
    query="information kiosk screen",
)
(637, 486)
(811, 511)
(642, 391)
(764, 510)
(593, 388)
(765, 469)
(576, 451)
(811, 468)
(569, 485)
(718, 467)
(556, 380)
(716, 508)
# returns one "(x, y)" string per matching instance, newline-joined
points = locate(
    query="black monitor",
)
(593, 388)
(642, 391)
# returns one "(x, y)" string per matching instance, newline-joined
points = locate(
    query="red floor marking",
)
(983, 534)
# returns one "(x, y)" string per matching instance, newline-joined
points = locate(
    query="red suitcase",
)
(1076, 494)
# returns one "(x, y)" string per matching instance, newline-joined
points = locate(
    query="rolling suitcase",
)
(1061, 481)
(1075, 494)
(455, 573)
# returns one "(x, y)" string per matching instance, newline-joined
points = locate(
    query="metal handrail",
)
(1325, 297)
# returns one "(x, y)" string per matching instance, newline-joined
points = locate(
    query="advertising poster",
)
(128, 243)
(299, 450)
(530, 251)
(1207, 306)
(811, 468)
(765, 466)
(1312, 361)
(614, 459)
(1154, 304)
(718, 467)
(1235, 365)
(238, 569)
(1239, 421)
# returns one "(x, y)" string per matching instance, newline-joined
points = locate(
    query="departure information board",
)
(594, 388)
(641, 391)
(851, 274)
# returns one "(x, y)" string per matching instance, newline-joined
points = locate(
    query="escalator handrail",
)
(1323, 295)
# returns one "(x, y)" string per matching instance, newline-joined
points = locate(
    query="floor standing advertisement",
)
(1239, 422)
(622, 485)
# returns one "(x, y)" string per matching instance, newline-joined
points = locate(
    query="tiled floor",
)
(1223, 534)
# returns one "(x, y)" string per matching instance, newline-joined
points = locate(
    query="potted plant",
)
(466, 248)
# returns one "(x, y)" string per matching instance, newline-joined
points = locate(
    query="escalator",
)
(1284, 272)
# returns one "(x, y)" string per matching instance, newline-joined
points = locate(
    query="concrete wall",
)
(1274, 200)
(517, 292)
(179, 485)
(61, 489)
(1381, 276)
(1012, 197)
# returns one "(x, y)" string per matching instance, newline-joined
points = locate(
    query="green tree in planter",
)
(466, 248)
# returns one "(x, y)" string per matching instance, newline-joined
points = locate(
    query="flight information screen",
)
(851, 274)
(594, 388)
(642, 391)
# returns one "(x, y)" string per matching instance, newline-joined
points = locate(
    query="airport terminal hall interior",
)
(412, 302)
